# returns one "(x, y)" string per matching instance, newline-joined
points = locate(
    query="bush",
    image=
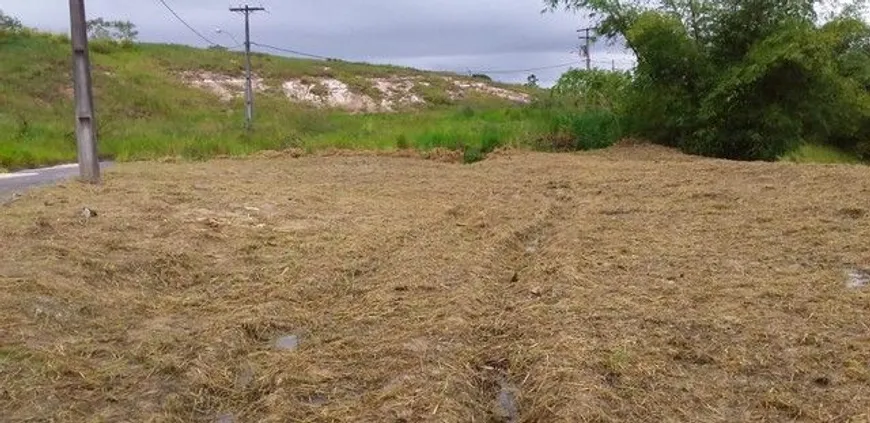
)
(402, 142)
(104, 46)
(9, 24)
(473, 155)
(739, 79)
(121, 31)
(584, 110)
(586, 130)
(863, 149)
(592, 88)
(466, 112)
(435, 96)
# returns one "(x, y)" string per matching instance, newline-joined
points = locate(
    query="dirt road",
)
(632, 285)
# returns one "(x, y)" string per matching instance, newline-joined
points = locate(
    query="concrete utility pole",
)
(585, 49)
(249, 88)
(86, 137)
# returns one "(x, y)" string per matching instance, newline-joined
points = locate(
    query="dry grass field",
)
(627, 285)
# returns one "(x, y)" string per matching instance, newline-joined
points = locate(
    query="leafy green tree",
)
(593, 88)
(742, 79)
(9, 23)
(121, 31)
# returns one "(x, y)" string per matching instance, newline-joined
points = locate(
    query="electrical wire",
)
(192, 29)
(285, 50)
(317, 56)
(527, 70)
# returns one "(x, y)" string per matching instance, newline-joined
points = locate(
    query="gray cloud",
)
(454, 35)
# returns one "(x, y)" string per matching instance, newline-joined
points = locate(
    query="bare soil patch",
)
(601, 287)
(395, 92)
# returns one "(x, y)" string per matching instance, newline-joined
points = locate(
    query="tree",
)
(594, 88)
(9, 23)
(742, 79)
(121, 31)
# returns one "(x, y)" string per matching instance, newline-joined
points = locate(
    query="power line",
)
(192, 29)
(317, 56)
(285, 50)
(528, 70)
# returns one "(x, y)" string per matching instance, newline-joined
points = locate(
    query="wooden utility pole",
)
(86, 136)
(585, 49)
(249, 88)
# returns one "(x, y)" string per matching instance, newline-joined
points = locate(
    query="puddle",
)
(507, 404)
(287, 343)
(318, 400)
(244, 377)
(857, 278)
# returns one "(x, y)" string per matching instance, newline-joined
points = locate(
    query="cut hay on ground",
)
(605, 287)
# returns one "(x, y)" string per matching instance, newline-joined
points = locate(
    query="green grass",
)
(825, 154)
(145, 111)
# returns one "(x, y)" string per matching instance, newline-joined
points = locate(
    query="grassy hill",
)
(156, 101)
(169, 100)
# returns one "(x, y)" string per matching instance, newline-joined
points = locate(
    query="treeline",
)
(737, 79)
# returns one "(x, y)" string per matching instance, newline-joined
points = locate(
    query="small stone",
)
(251, 209)
(506, 404)
(318, 400)
(537, 291)
(509, 276)
(857, 278)
(287, 343)
(244, 377)
(822, 381)
(88, 213)
(853, 212)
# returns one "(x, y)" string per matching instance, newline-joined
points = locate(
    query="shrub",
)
(863, 149)
(402, 142)
(586, 130)
(592, 88)
(490, 139)
(473, 155)
(740, 79)
(121, 31)
(9, 24)
(436, 97)
(106, 46)
(466, 112)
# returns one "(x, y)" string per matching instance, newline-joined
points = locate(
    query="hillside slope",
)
(168, 100)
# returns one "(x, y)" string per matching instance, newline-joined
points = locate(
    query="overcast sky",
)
(455, 35)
